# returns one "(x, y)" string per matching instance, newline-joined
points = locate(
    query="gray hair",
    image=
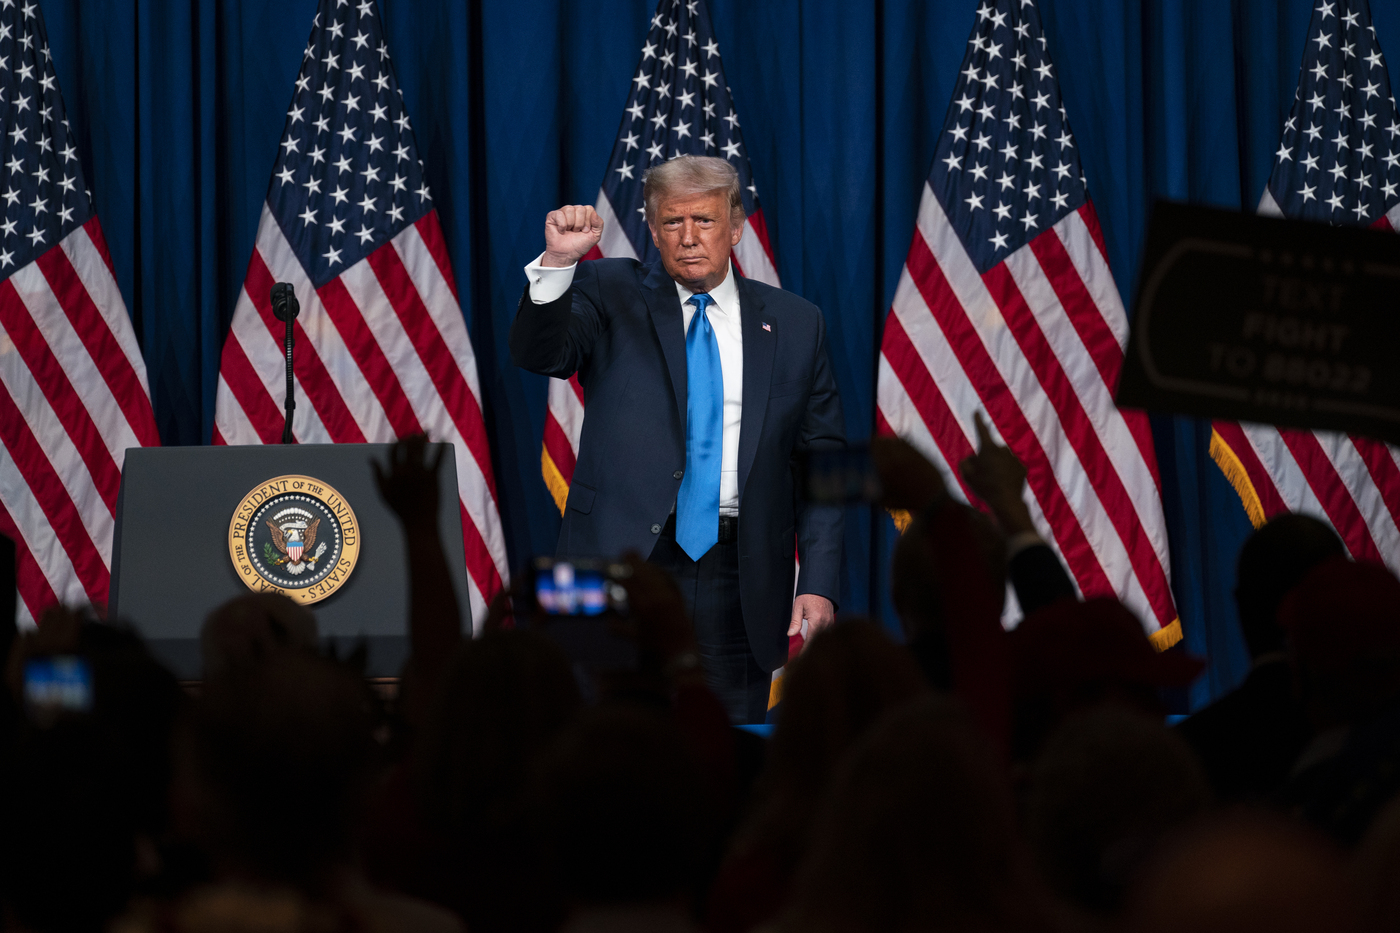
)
(691, 175)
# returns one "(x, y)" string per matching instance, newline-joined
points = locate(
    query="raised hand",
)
(409, 483)
(569, 233)
(908, 480)
(997, 477)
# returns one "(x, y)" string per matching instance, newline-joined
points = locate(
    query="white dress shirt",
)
(549, 284)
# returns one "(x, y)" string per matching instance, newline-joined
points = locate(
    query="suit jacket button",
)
(678, 474)
(656, 529)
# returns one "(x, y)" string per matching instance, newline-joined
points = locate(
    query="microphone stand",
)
(285, 308)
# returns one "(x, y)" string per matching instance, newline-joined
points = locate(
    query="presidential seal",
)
(294, 535)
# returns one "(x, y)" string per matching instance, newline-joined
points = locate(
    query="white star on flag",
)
(1013, 311)
(73, 393)
(1353, 483)
(382, 350)
(659, 122)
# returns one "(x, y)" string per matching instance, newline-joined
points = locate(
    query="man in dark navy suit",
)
(702, 388)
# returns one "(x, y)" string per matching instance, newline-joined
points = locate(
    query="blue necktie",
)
(697, 507)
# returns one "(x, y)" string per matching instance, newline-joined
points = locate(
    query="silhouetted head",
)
(619, 812)
(1108, 785)
(916, 833)
(83, 790)
(849, 676)
(273, 766)
(1343, 625)
(1247, 873)
(252, 627)
(504, 697)
(845, 681)
(1070, 657)
(1273, 561)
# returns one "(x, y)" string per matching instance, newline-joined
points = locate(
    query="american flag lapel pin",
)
(768, 327)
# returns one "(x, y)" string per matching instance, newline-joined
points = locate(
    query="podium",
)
(195, 526)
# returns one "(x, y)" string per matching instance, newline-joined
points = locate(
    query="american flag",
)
(1006, 304)
(382, 350)
(679, 104)
(73, 393)
(1339, 162)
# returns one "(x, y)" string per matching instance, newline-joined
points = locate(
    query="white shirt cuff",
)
(548, 283)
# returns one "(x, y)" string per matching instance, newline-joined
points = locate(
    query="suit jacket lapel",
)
(659, 291)
(759, 345)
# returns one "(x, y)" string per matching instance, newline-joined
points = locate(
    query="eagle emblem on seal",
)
(293, 532)
(294, 535)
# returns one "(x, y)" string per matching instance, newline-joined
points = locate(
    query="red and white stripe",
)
(1036, 343)
(382, 352)
(73, 398)
(563, 423)
(1351, 482)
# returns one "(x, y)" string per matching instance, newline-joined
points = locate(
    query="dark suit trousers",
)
(710, 587)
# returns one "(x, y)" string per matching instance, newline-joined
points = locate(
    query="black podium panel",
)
(171, 563)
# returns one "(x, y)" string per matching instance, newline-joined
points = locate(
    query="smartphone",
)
(57, 686)
(579, 587)
(840, 477)
(582, 606)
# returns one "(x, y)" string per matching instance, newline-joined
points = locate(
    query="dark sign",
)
(1260, 319)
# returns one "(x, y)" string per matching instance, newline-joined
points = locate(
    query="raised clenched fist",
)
(569, 233)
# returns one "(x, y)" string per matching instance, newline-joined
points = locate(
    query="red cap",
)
(1096, 640)
(1342, 611)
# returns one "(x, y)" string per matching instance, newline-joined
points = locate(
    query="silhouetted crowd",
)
(958, 777)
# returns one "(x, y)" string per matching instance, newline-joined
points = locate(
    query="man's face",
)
(694, 235)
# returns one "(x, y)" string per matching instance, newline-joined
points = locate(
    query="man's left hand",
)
(817, 610)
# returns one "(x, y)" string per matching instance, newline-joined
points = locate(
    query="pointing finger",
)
(984, 436)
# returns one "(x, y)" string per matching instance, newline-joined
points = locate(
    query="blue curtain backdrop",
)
(179, 107)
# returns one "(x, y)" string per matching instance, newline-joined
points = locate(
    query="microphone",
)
(284, 302)
(285, 308)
